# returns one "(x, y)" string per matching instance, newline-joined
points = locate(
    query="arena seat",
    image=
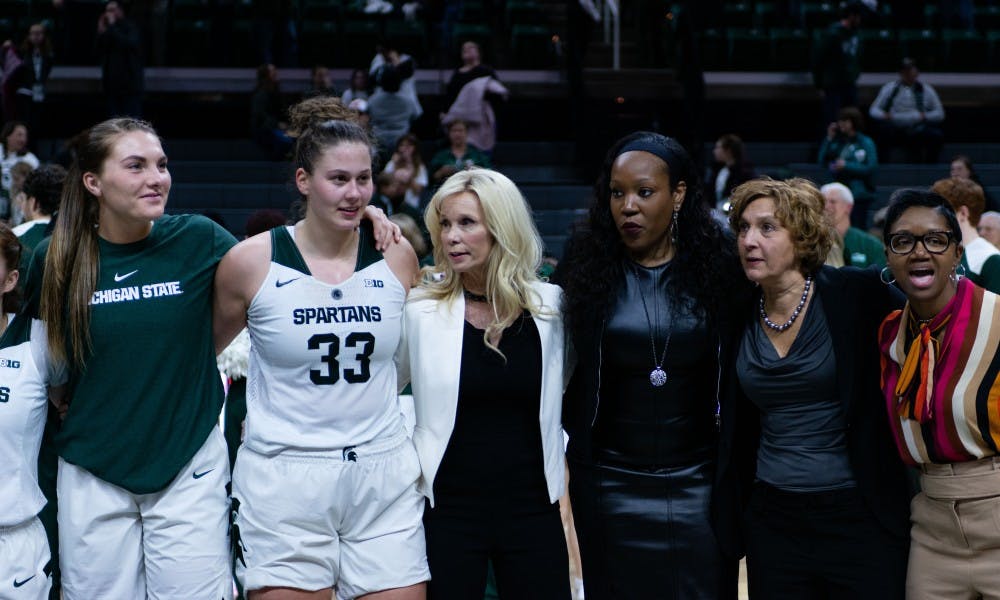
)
(965, 50)
(789, 49)
(749, 49)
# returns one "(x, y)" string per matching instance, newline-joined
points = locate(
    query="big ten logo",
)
(374, 283)
(10, 364)
(4, 394)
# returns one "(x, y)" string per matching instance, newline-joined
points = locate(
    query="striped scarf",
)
(942, 389)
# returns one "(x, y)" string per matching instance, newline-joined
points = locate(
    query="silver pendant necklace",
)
(657, 377)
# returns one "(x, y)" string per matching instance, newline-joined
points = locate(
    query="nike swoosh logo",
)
(200, 475)
(18, 584)
(278, 283)
(125, 276)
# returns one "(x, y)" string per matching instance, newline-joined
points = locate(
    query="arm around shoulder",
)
(402, 260)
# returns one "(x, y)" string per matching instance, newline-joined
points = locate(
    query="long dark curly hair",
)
(704, 265)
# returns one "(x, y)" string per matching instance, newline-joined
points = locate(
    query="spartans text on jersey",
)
(337, 314)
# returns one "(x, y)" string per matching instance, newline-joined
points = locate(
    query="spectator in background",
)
(853, 247)
(459, 154)
(390, 109)
(18, 173)
(267, 112)
(274, 31)
(981, 259)
(386, 55)
(322, 83)
(908, 113)
(407, 167)
(989, 227)
(27, 81)
(120, 53)
(13, 149)
(42, 190)
(852, 159)
(413, 234)
(729, 170)
(389, 195)
(357, 89)
(9, 63)
(361, 108)
(471, 95)
(961, 166)
(472, 68)
(836, 66)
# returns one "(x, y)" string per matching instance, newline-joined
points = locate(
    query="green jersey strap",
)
(284, 251)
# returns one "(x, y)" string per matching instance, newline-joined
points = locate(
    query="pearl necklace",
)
(795, 313)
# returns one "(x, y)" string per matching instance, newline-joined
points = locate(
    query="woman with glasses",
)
(827, 497)
(940, 382)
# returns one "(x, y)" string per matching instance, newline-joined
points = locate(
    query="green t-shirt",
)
(862, 249)
(29, 239)
(472, 157)
(149, 393)
(988, 277)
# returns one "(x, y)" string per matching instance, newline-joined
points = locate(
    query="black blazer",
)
(855, 302)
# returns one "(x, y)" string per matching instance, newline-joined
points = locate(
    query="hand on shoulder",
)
(403, 261)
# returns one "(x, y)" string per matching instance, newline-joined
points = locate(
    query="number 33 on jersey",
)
(321, 362)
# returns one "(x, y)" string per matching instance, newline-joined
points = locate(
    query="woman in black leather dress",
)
(649, 286)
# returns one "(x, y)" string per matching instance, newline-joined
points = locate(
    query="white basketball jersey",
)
(24, 375)
(322, 375)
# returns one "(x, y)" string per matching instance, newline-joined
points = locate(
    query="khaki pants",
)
(955, 549)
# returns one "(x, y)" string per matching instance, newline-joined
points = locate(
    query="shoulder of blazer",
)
(422, 303)
(550, 293)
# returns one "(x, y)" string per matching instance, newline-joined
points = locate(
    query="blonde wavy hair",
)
(799, 207)
(513, 260)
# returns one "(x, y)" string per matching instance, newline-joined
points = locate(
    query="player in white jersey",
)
(324, 488)
(25, 371)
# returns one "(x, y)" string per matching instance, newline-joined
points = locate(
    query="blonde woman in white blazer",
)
(484, 349)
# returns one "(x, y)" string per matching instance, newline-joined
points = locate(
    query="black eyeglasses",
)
(935, 242)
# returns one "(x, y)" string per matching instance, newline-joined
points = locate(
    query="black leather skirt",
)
(646, 534)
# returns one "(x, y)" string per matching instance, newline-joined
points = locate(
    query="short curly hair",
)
(961, 192)
(45, 185)
(799, 207)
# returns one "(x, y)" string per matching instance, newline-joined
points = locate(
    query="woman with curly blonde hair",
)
(828, 498)
(484, 347)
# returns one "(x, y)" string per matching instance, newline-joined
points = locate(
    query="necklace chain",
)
(657, 377)
(795, 313)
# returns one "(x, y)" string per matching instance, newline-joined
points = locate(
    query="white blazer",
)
(430, 357)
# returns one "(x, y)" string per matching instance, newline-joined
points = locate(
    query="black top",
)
(120, 51)
(459, 78)
(854, 302)
(803, 442)
(494, 457)
(639, 424)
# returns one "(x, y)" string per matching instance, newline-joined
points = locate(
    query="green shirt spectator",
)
(459, 154)
(859, 248)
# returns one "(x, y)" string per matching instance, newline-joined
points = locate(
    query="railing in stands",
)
(611, 15)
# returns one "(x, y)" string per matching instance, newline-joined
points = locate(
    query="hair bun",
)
(318, 110)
